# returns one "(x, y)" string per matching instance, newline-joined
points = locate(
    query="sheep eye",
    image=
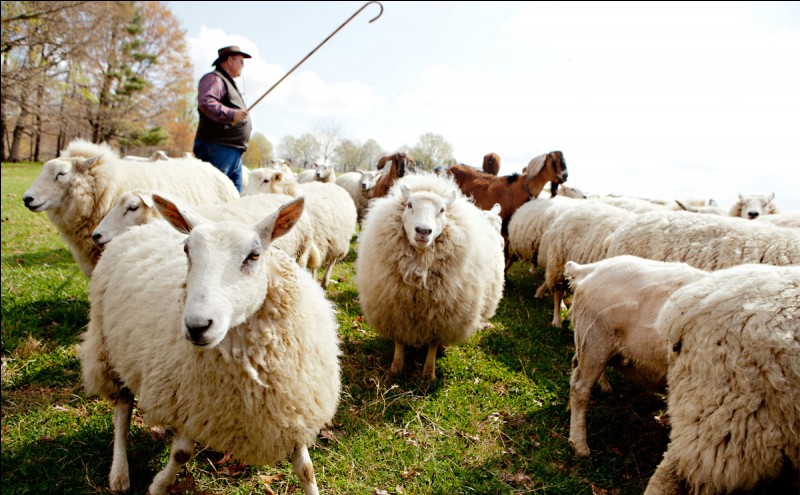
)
(441, 211)
(253, 256)
(132, 208)
(408, 205)
(186, 248)
(59, 174)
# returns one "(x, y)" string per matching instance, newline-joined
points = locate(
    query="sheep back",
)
(135, 340)
(734, 378)
(441, 294)
(708, 242)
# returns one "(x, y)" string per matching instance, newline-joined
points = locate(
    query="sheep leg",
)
(304, 469)
(557, 297)
(429, 370)
(665, 480)
(399, 358)
(587, 369)
(326, 277)
(119, 478)
(182, 450)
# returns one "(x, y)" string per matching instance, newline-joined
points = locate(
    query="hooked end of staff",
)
(379, 13)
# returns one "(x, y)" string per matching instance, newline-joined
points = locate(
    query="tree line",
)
(119, 73)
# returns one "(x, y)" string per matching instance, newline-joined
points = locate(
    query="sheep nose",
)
(422, 231)
(96, 238)
(752, 214)
(196, 332)
(27, 200)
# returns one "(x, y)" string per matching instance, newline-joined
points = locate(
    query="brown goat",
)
(511, 191)
(399, 163)
(491, 163)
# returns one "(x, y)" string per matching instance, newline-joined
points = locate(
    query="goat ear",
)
(282, 221)
(536, 165)
(181, 219)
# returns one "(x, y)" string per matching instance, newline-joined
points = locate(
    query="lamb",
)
(429, 269)
(77, 189)
(332, 211)
(359, 186)
(734, 381)
(563, 190)
(711, 208)
(238, 348)
(708, 242)
(137, 208)
(577, 234)
(751, 206)
(614, 309)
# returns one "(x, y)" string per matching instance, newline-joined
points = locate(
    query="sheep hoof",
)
(581, 449)
(119, 483)
(396, 369)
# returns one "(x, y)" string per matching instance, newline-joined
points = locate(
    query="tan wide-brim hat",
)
(226, 52)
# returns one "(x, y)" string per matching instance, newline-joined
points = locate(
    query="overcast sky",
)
(661, 100)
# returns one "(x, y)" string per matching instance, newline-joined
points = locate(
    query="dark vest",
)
(223, 133)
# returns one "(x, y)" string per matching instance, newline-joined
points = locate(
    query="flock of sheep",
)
(689, 300)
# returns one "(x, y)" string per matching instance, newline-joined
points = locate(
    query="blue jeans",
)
(225, 158)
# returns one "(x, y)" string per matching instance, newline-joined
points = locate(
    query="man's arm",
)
(210, 93)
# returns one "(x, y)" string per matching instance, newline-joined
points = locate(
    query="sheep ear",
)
(277, 177)
(404, 190)
(712, 202)
(496, 208)
(182, 219)
(282, 221)
(770, 197)
(682, 206)
(147, 199)
(87, 163)
(451, 196)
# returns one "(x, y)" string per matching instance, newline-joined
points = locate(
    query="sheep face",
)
(54, 182)
(368, 180)
(228, 269)
(323, 172)
(754, 205)
(132, 208)
(424, 216)
(263, 180)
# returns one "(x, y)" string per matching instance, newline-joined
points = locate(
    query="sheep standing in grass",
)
(613, 313)
(320, 173)
(137, 208)
(752, 206)
(77, 189)
(733, 380)
(578, 234)
(708, 242)
(429, 269)
(229, 344)
(332, 211)
(359, 186)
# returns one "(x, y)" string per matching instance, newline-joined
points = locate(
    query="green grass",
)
(493, 422)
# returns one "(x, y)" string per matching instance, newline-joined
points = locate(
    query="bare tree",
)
(328, 133)
(431, 150)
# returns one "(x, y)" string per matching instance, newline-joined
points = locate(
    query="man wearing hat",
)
(220, 105)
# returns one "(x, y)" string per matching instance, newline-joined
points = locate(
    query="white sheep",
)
(563, 190)
(429, 269)
(359, 186)
(320, 173)
(753, 205)
(77, 189)
(137, 208)
(788, 219)
(578, 234)
(733, 380)
(614, 309)
(711, 207)
(528, 223)
(636, 205)
(332, 211)
(708, 242)
(229, 344)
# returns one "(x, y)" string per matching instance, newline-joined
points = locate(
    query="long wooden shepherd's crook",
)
(314, 50)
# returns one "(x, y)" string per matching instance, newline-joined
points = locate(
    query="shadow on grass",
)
(51, 257)
(53, 466)
(53, 322)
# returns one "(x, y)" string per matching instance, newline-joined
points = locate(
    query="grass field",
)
(494, 421)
